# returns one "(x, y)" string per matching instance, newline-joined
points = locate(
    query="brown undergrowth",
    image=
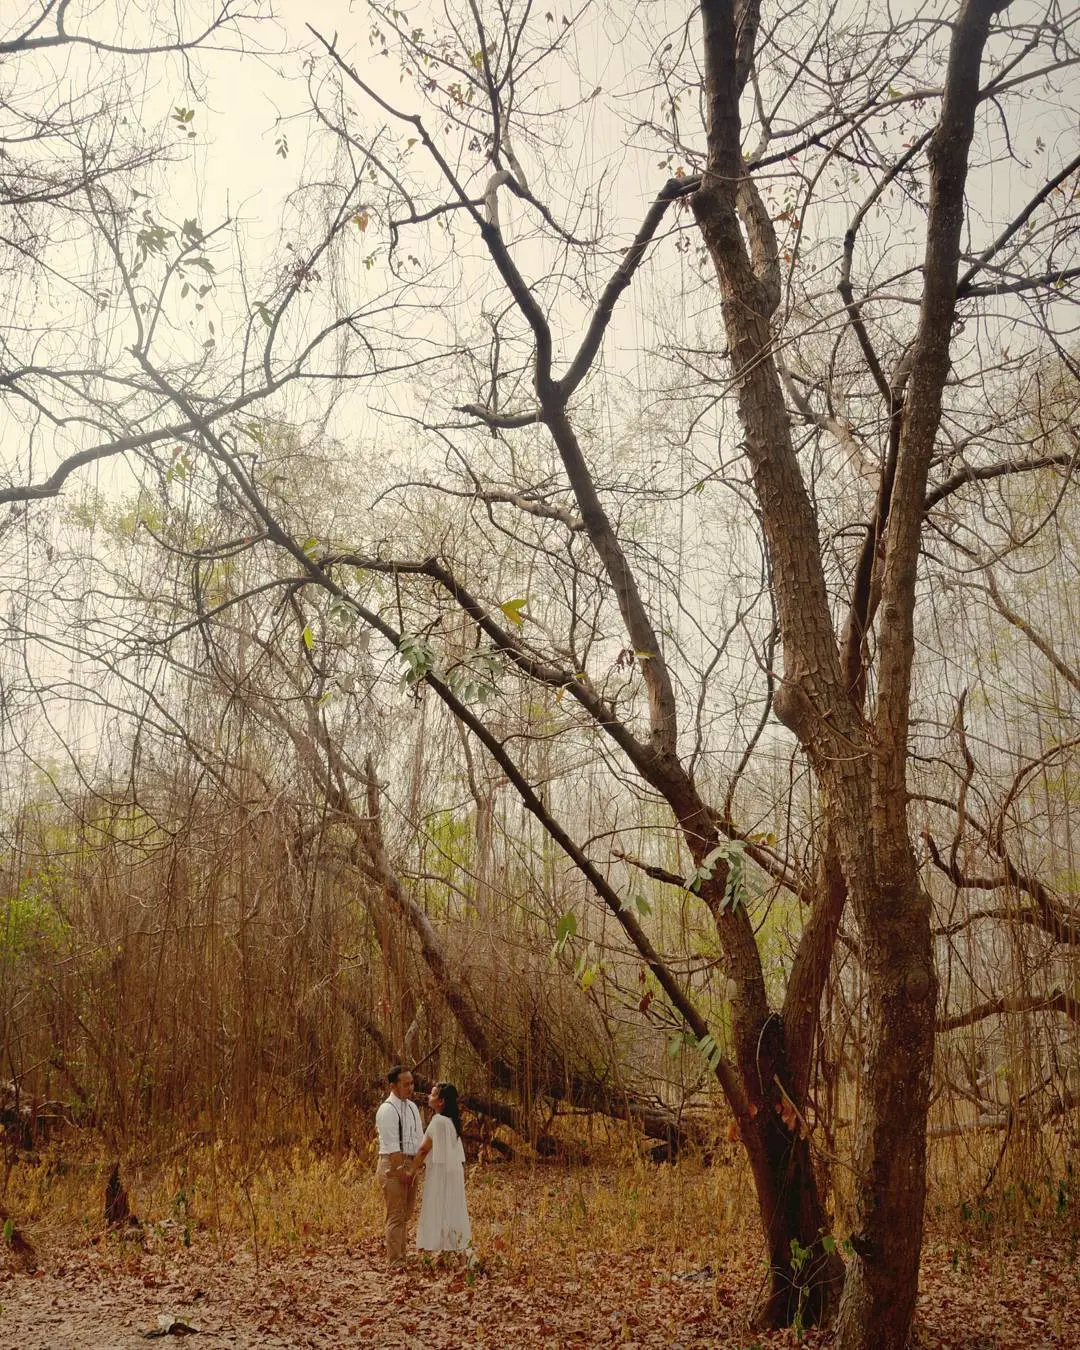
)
(280, 1247)
(274, 1199)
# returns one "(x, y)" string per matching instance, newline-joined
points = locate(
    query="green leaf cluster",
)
(418, 657)
(29, 926)
(733, 852)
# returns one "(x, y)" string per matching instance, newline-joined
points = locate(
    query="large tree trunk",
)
(883, 1275)
(862, 768)
(805, 1272)
(805, 1276)
(892, 908)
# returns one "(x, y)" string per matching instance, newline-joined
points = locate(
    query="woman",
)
(444, 1219)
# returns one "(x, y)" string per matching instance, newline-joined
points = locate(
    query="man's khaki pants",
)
(400, 1196)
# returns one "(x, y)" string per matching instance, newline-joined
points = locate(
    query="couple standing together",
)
(404, 1145)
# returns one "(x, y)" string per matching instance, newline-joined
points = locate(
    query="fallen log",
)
(671, 1133)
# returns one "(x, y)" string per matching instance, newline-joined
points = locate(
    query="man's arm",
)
(386, 1126)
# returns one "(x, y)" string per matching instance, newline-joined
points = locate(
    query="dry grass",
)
(275, 1200)
(687, 1216)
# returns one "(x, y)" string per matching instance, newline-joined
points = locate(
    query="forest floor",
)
(556, 1267)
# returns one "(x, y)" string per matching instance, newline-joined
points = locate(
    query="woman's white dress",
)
(444, 1219)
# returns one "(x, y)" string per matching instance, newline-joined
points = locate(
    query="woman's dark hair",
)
(448, 1093)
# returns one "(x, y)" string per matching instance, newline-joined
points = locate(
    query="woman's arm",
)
(421, 1154)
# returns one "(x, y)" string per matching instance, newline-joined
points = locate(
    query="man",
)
(401, 1132)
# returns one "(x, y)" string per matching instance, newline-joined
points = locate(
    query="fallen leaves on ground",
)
(342, 1295)
(636, 1259)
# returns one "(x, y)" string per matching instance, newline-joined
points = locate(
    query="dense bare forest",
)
(541, 546)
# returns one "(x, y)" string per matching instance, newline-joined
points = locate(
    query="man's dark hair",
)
(395, 1073)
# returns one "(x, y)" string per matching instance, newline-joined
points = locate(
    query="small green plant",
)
(800, 1258)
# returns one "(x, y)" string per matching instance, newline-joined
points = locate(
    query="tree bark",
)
(894, 911)
(861, 767)
(805, 1276)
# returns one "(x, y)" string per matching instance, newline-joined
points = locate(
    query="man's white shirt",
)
(399, 1126)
